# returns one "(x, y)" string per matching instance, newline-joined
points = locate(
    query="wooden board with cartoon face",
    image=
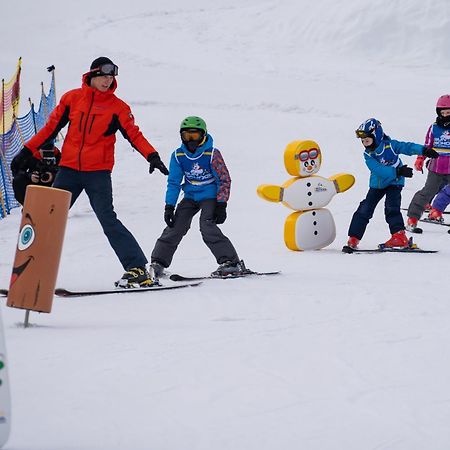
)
(39, 246)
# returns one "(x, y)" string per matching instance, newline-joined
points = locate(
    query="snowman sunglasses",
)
(308, 154)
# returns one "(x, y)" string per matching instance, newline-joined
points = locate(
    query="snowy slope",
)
(339, 352)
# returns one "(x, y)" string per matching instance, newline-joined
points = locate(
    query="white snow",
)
(340, 351)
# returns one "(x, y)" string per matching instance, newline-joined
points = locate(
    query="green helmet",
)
(194, 122)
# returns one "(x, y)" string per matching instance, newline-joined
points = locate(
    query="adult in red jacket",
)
(94, 115)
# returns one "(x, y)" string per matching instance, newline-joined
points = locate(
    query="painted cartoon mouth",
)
(17, 271)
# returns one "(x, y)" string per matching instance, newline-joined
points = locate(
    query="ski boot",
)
(156, 270)
(411, 224)
(435, 215)
(136, 277)
(230, 269)
(397, 240)
(353, 242)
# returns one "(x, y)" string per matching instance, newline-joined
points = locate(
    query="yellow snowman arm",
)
(270, 192)
(342, 181)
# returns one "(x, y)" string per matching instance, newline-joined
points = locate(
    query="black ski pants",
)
(220, 246)
(98, 187)
(366, 208)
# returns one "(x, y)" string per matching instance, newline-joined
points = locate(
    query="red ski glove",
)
(418, 165)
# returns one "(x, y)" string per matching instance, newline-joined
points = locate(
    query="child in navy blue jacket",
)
(387, 178)
(199, 170)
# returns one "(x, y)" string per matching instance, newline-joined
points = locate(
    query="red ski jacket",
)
(93, 117)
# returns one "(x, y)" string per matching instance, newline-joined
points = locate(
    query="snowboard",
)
(177, 277)
(60, 292)
(349, 250)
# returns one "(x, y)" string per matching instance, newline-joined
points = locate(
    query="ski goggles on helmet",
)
(106, 69)
(191, 135)
(361, 134)
(308, 154)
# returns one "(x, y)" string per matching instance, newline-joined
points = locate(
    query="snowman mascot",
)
(311, 226)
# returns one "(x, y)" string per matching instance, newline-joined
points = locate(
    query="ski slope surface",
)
(339, 351)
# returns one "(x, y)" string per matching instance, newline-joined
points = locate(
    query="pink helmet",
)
(443, 102)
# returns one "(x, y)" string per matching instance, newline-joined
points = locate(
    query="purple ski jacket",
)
(438, 138)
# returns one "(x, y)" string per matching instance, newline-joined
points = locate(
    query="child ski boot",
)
(353, 242)
(136, 277)
(230, 269)
(397, 240)
(411, 224)
(156, 271)
(435, 215)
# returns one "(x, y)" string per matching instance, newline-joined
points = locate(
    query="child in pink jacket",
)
(438, 137)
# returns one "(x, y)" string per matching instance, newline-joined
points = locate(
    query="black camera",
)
(47, 166)
(46, 177)
(48, 157)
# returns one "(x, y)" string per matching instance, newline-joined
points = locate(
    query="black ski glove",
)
(169, 215)
(23, 161)
(404, 171)
(156, 163)
(220, 213)
(430, 153)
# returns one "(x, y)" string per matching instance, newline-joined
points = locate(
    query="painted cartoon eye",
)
(26, 237)
(313, 163)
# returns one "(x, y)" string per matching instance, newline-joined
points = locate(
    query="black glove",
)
(220, 213)
(404, 171)
(23, 161)
(156, 163)
(169, 215)
(430, 153)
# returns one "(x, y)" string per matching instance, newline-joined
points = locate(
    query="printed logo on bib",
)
(387, 157)
(197, 173)
(386, 162)
(443, 141)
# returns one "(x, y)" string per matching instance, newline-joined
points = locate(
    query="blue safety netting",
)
(22, 129)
